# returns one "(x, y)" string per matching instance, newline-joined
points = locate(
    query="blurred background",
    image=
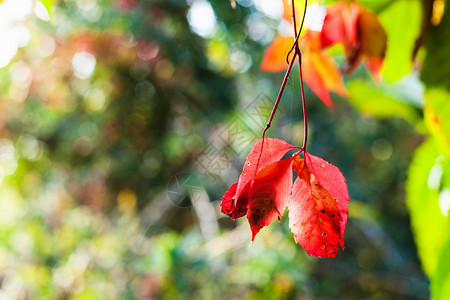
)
(123, 122)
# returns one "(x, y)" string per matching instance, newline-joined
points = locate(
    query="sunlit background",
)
(123, 122)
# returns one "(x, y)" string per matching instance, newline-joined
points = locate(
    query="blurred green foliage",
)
(123, 121)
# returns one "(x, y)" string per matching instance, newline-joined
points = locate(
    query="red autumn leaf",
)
(274, 149)
(360, 31)
(340, 25)
(317, 202)
(315, 217)
(274, 59)
(269, 194)
(331, 178)
(227, 204)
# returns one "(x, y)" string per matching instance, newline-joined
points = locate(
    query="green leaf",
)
(440, 285)
(437, 116)
(381, 102)
(436, 67)
(48, 4)
(430, 226)
(401, 20)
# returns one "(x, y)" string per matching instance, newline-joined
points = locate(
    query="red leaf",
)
(227, 204)
(274, 59)
(340, 25)
(360, 31)
(269, 194)
(331, 178)
(314, 216)
(234, 202)
(318, 201)
(274, 149)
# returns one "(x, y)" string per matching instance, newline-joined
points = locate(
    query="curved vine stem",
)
(294, 25)
(297, 52)
(297, 35)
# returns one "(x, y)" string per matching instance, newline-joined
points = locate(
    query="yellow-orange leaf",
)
(299, 8)
(321, 72)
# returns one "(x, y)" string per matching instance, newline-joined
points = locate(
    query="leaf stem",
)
(275, 106)
(283, 84)
(305, 118)
(297, 35)
(280, 93)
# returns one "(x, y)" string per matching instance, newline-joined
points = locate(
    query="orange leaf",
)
(320, 71)
(274, 59)
(373, 41)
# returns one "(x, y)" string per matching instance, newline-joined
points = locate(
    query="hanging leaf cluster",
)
(317, 201)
